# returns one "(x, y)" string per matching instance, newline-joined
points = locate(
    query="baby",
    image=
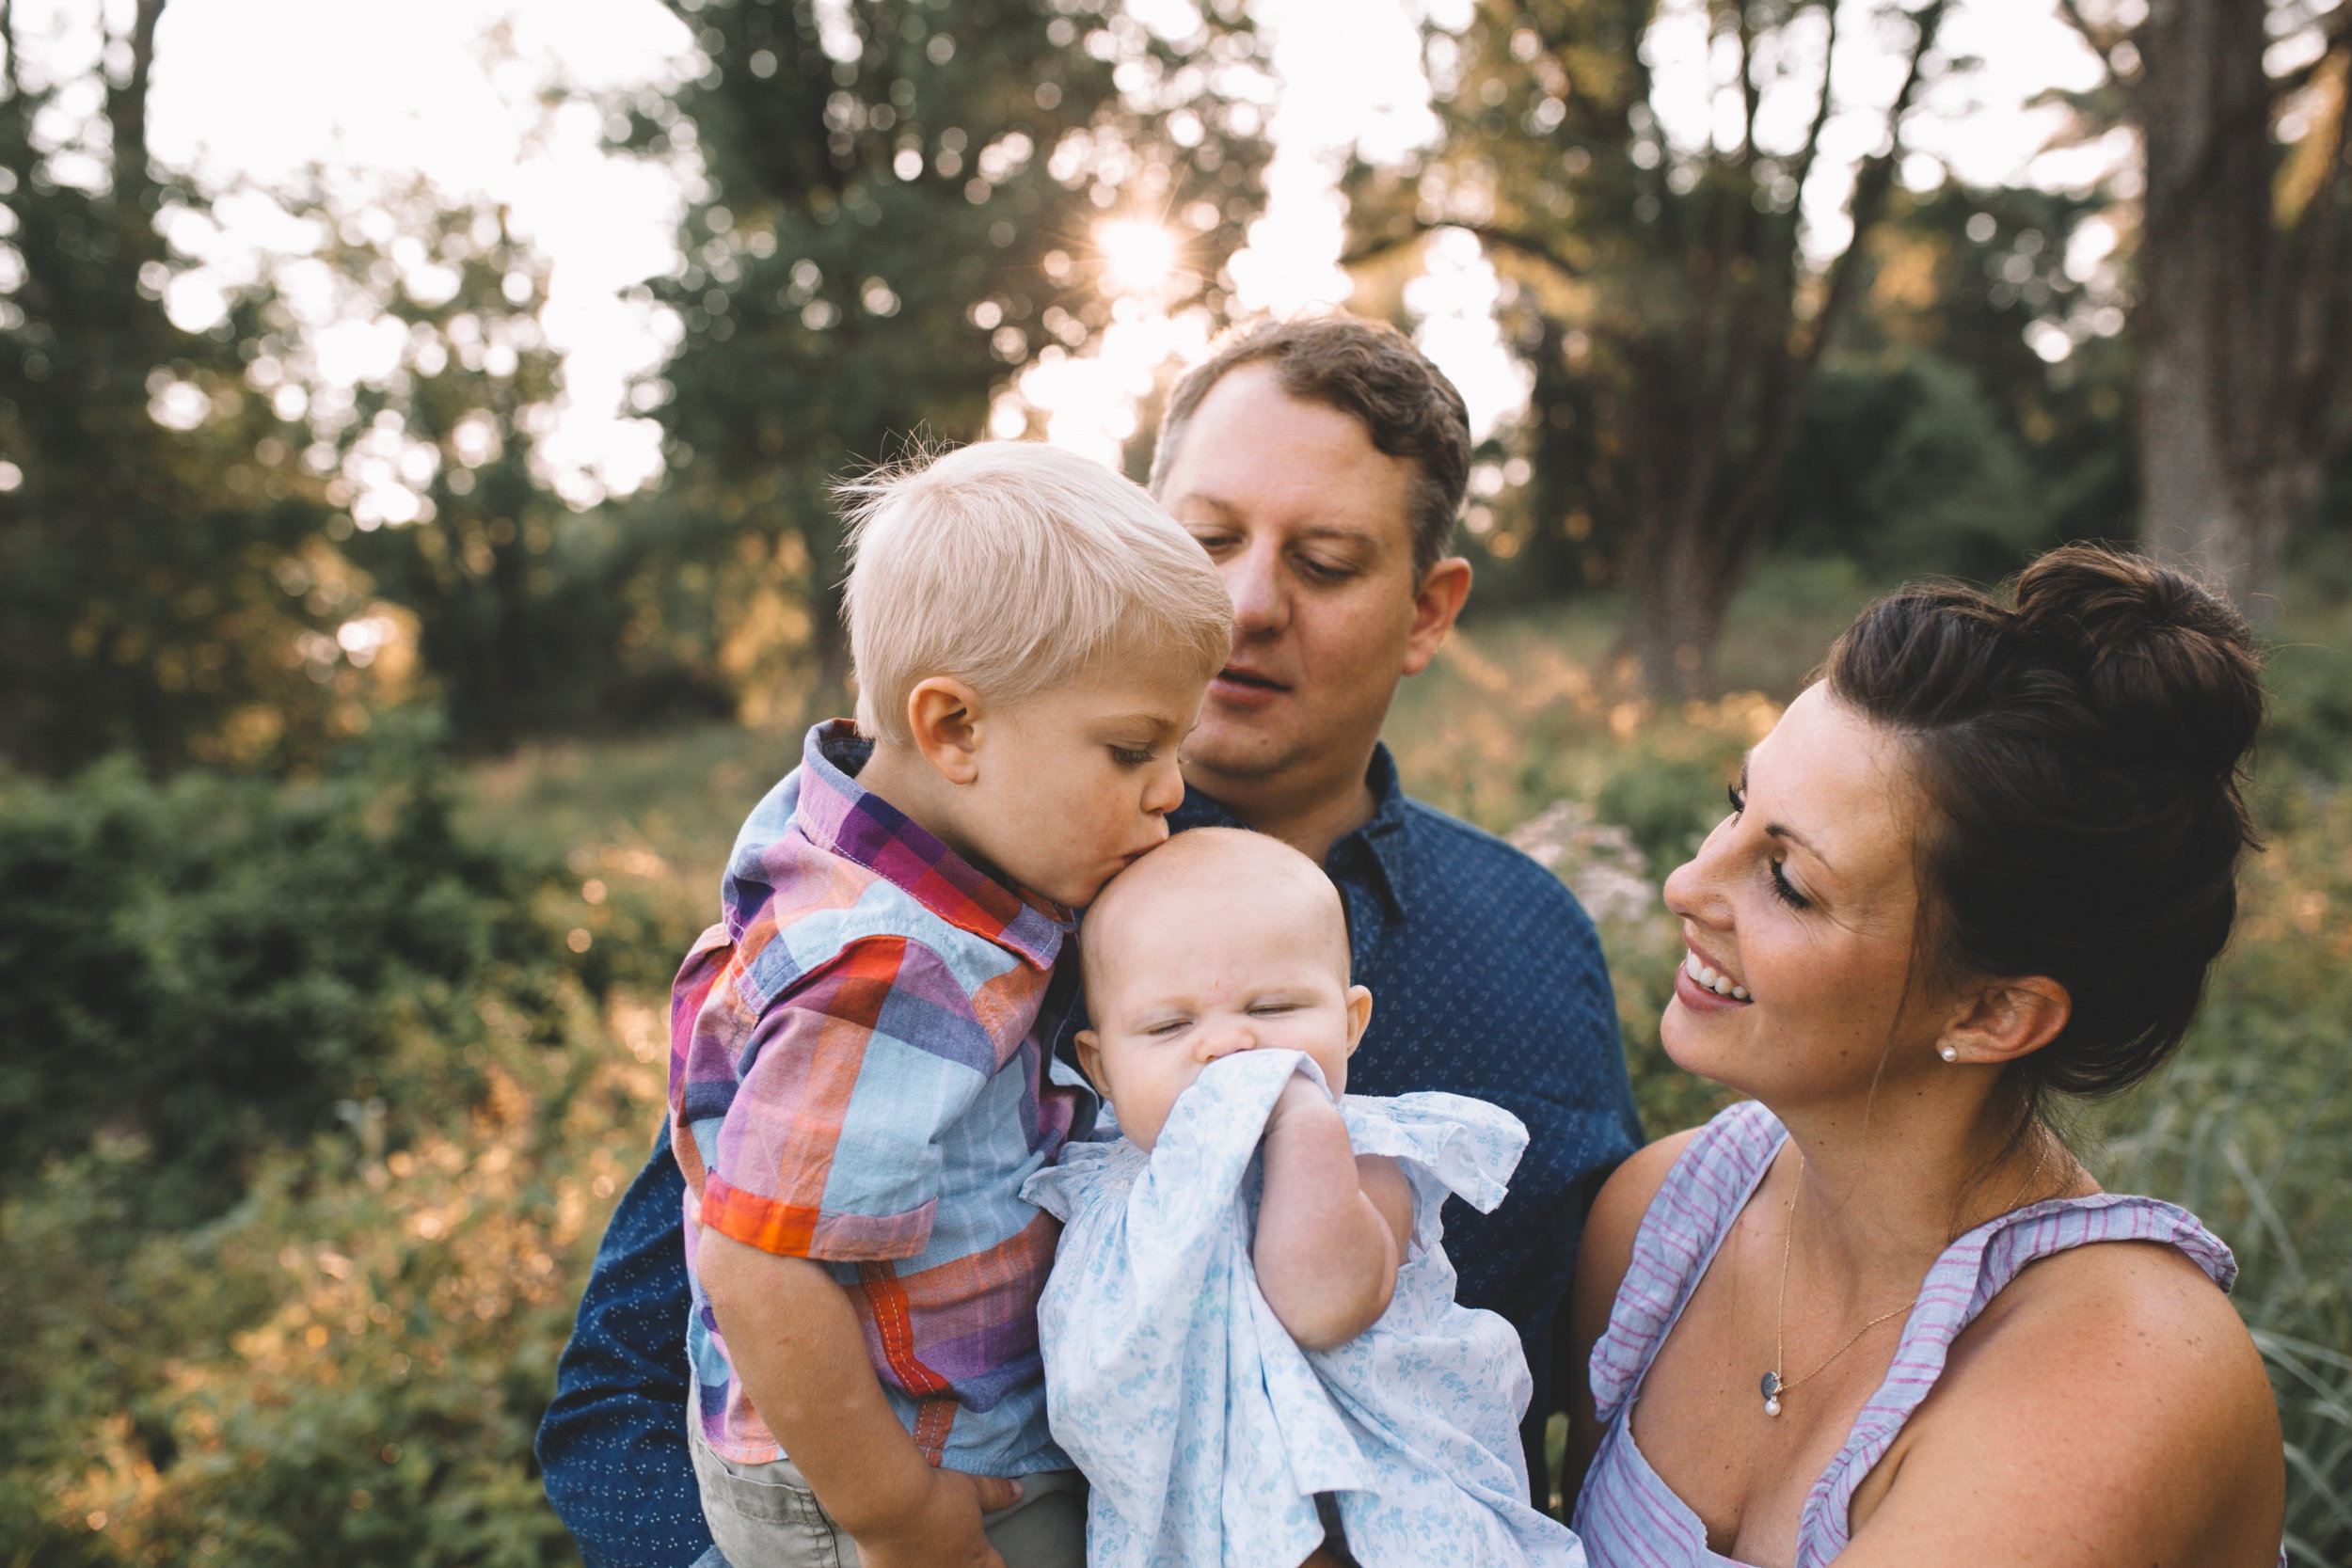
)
(1252, 1344)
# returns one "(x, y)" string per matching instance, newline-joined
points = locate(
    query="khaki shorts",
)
(765, 1516)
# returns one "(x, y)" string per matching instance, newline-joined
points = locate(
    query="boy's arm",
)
(795, 1341)
(1333, 1226)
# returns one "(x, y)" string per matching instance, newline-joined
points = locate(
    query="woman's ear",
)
(2007, 1020)
(943, 717)
(1359, 1014)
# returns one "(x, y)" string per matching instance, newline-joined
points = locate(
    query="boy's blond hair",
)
(1017, 566)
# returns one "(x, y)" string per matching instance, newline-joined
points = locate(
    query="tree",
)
(1672, 315)
(2242, 315)
(149, 508)
(902, 205)
(1937, 438)
(525, 605)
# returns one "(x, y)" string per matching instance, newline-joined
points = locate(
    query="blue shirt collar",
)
(1373, 853)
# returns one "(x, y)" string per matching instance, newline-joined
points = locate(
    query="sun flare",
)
(1138, 256)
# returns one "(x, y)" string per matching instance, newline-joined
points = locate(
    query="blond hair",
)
(1017, 566)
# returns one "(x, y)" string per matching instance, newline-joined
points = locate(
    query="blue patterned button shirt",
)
(1488, 982)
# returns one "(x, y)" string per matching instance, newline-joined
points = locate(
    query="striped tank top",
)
(1625, 1515)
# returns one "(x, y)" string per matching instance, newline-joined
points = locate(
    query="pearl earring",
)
(1949, 1053)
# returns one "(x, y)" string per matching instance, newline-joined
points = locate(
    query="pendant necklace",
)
(1773, 1385)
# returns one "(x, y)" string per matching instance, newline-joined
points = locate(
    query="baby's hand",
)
(945, 1531)
(1302, 1098)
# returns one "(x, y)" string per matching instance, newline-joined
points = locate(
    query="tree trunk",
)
(2223, 465)
(1685, 571)
(1693, 552)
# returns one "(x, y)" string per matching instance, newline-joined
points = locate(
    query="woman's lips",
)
(1698, 999)
(1705, 975)
(1702, 987)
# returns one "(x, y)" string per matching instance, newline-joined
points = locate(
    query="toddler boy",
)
(1251, 1344)
(857, 1091)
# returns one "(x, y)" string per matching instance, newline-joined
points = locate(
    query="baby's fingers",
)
(994, 1492)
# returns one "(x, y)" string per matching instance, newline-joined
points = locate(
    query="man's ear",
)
(1359, 1016)
(1090, 1059)
(2007, 1020)
(943, 717)
(1436, 605)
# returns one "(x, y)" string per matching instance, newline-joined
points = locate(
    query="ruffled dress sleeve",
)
(1434, 1391)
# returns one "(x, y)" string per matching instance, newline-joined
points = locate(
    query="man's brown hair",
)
(1363, 368)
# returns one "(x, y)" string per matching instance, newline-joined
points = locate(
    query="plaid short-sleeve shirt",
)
(854, 1079)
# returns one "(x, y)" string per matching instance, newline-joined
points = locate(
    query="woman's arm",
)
(1601, 1265)
(2108, 1410)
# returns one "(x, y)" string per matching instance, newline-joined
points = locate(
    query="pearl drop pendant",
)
(1771, 1393)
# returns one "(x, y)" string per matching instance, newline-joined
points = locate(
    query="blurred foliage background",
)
(360, 783)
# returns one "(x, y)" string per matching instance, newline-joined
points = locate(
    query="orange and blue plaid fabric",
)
(856, 1079)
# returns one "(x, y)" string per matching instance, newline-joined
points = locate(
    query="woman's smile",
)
(1714, 985)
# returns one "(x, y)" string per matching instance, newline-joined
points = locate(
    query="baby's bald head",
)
(1203, 873)
(1217, 941)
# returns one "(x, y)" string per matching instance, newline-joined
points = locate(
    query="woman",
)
(1982, 864)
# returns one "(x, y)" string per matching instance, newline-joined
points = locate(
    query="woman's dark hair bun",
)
(2080, 753)
(2168, 663)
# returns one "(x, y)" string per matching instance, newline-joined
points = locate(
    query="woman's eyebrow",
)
(1782, 829)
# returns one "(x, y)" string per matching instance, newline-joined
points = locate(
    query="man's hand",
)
(944, 1531)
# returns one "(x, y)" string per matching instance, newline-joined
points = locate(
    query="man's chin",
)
(1237, 747)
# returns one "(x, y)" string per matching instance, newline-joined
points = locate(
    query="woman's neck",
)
(1887, 1186)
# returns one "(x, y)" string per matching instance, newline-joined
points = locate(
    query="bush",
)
(311, 1146)
(348, 1366)
(210, 965)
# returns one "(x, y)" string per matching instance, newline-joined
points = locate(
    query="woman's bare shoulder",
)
(2112, 1316)
(2114, 1400)
(1625, 1197)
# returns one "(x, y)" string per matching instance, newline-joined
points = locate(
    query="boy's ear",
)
(1359, 1016)
(1090, 1059)
(943, 717)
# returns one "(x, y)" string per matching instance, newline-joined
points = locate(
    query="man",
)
(1321, 462)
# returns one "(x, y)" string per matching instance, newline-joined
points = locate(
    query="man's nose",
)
(1253, 579)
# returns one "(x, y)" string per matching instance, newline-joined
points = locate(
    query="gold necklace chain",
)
(1772, 1385)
